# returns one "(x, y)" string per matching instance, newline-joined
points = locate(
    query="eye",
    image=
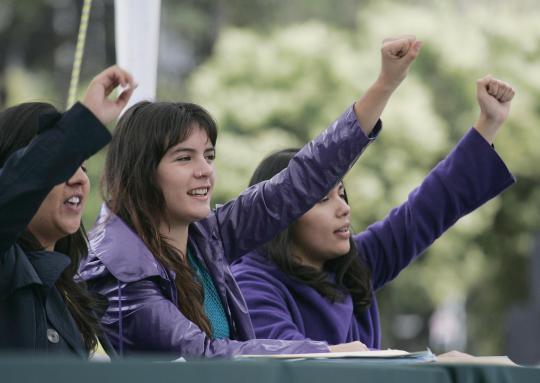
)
(324, 199)
(342, 196)
(211, 156)
(183, 159)
(84, 169)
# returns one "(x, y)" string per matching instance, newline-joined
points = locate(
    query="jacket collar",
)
(115, 247)
(259, 261)
(48, 265)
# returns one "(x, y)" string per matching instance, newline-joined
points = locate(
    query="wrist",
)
(487, 127)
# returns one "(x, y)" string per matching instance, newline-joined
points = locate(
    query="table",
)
(47, 370)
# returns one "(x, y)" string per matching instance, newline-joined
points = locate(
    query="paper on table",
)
(495, 360)
(326, 355)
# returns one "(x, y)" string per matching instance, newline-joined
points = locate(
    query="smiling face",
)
(61, 211)
(186, 177)
(323, 232)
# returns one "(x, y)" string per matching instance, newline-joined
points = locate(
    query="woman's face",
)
(323, 232)
(61, 211)
(186, 177)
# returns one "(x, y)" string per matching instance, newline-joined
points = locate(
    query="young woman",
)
(315, 280)
(161, 255)
(43, 190)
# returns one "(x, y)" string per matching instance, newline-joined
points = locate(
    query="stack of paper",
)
(389, 355)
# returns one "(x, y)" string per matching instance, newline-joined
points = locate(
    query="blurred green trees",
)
(274, 74)
(278, 89)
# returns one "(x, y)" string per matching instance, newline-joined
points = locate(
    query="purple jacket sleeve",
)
(152, 323)
(468, 177)
(265, 209)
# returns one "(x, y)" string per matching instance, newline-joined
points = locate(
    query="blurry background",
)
(275, 73)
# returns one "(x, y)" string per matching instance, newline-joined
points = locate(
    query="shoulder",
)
(116, 249)
(254, 262)
(255, 269)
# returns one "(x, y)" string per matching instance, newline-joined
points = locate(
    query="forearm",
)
(369, 108)
(153, 324)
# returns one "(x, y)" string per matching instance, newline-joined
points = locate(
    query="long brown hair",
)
(18, 126)
(141, 138)
(352, 275)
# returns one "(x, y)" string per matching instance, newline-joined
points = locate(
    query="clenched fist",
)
(397, 54)
(494, 98)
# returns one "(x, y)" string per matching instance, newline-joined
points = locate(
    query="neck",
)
(49, 247)
(177, 235)
(304, 260)
(45, 243)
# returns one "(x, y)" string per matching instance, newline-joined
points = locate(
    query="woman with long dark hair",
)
(161, 255)
(316, 280)
(43, 191)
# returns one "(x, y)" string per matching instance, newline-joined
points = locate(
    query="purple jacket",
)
(283, 308)
(142, 310)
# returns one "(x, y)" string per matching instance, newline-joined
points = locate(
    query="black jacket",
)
(33, 315)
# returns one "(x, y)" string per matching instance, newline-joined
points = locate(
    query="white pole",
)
(137, 41)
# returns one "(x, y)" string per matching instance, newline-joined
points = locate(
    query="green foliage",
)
(290, 71)
(265, 88)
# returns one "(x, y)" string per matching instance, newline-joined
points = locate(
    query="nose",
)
(204, 169)
(343, 209)
(78, 178)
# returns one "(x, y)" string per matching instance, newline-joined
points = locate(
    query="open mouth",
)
(343, 232)
(74, 201)
(343, 229)
(199, 192)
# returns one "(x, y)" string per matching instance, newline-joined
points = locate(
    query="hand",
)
(494, 97)
(348, 347)
(397, 54)
(96, 97)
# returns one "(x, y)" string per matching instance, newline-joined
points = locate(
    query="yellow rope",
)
(79, 51)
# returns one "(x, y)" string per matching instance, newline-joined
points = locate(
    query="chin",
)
(201, 214)
(343, 252)
(71, 228)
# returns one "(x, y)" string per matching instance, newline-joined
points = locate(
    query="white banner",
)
(137, 41)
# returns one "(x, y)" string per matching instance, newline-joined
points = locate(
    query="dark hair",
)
(352, 274)
(18, 126)
(142, 137)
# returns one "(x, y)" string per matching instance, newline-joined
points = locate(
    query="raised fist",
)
(494, 97)
(96, 97)
(397, 54)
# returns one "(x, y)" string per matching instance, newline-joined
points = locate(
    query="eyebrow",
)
(190, 150)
